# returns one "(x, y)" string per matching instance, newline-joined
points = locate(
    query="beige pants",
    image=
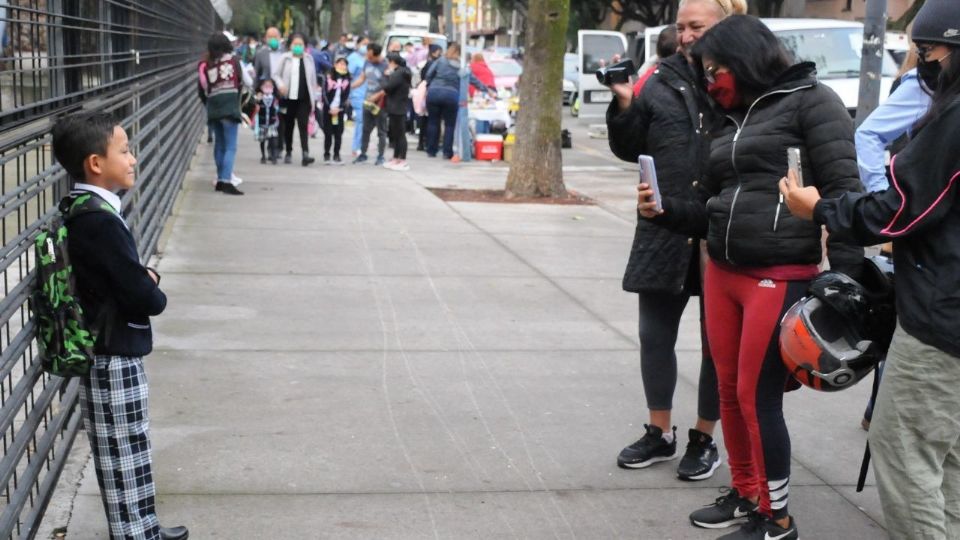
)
(914, 441)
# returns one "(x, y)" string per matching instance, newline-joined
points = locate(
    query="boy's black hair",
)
(396, 59)
(667, 42)
(748, 49)
(375, 49)
(218, 45)
(78, 136)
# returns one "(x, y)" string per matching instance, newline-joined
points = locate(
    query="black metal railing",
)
(136, 59)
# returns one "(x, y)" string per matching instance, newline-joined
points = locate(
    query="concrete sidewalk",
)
(346, 356)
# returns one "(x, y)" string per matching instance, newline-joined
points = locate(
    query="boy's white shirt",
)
(112, 198)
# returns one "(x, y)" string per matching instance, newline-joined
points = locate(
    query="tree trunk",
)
(537, 167)
(904, 21)
(336, 20)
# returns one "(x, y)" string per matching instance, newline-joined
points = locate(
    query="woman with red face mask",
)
(761, 256)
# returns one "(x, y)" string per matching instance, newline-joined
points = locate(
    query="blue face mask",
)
(362, 49)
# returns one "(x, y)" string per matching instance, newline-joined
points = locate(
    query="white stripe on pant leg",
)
(779, 493)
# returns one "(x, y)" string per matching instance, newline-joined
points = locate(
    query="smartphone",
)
(793, 163)
(648, 175)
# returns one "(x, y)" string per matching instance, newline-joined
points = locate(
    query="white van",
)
(835, 46)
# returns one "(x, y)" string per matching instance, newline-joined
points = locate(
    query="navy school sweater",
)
(112, 280)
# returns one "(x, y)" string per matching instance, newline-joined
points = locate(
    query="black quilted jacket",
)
(665, 122)
(741, 210)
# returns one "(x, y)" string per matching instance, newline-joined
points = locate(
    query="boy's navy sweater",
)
(110, 276)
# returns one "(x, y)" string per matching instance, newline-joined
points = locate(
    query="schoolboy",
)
(119, 295)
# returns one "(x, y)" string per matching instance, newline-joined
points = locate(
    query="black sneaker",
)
(650, 449)
(229, 189)
(287, 158)
(701, 459)
(263, 159)
(728, 510)
(360, 159)
(760, 527)
(307, 160)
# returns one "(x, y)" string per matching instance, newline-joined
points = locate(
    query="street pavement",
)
(346, 356)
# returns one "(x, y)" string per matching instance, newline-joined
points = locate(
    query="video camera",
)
(617, 73)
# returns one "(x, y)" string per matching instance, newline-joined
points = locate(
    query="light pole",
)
(871, 59)
(366, 18)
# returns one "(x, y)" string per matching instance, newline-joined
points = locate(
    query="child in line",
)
(117, 291)
(267, 124)
(335, 90)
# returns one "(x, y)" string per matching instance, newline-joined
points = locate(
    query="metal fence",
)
(136, 59)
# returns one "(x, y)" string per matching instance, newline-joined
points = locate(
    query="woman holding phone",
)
(916, 427)
(668, 122)
(762, 258)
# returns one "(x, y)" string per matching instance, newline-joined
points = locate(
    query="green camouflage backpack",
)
(64, 339)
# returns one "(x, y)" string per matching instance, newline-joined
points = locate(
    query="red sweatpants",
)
(743, 326)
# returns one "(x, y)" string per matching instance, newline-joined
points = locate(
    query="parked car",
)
(571, 76)
(569, 91)
(506, 73)
(834, 45)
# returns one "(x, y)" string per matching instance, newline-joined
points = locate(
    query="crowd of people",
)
(729, 222)
(279, 87)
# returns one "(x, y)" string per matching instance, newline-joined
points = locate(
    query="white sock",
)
(668, 436)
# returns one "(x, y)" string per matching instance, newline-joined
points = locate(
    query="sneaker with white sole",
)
(651, 448)
(701, 459)
(401, 166)
(760, 527)
(728, 510)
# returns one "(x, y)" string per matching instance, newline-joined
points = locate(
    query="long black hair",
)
(947, 89)
(745, 46)
(217, 46)
(294, 36)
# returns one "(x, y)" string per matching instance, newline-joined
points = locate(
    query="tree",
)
(336, 19)
(537, 167)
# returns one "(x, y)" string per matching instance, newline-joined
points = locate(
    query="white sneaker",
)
(236, 180)
(401, 166)
(390, 165)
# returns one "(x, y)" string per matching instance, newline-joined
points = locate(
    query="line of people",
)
(718, 118)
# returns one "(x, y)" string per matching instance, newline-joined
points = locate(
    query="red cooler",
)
(488, 147)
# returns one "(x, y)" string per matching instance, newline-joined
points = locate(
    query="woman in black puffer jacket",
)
(761, 256)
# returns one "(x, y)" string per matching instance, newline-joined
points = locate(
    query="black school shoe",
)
(701, 459)
(729, 509)
(650, 449)
(760, 527)
(228, 188)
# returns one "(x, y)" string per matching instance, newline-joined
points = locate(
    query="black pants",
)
(369, 123)
(333, 135)
(659, 324)
(398, 135)
(270, 148)
(296, 111)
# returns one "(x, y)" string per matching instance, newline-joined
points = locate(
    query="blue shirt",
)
(887, 123)
(355, 63)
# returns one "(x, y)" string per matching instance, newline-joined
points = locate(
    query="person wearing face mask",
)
(355, 62)
(266, 129)
(267, 58)
(915, 433)
(336, 94)
(761, 256)
(297, 84)
(670, 121)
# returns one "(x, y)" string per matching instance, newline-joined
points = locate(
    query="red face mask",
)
(724, 90)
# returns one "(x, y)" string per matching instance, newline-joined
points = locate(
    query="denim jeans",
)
(442, 104)
(357, 105)
(224, 147)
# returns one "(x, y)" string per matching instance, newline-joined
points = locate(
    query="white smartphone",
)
(648, 175)
(793, 163)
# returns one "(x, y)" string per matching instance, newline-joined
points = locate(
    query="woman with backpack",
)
(915, 432)
(762, 257)
(221, 79)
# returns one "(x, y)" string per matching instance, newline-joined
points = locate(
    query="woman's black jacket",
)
(665, 122)
(740, 208)
(397, 89)
(920, 212)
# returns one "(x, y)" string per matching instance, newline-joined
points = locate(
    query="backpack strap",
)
(77, 204)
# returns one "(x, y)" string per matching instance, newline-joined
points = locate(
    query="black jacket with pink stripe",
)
(920, 212)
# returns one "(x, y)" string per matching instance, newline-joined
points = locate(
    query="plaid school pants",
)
(113, 401)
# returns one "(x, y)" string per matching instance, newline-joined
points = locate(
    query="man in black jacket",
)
(668, 122)
(118, 295)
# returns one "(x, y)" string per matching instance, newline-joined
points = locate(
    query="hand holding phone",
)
(648, 176)
(793, 164)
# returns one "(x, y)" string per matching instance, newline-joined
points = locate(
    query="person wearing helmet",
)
(915, 433)
(762, 258)
(668, 122)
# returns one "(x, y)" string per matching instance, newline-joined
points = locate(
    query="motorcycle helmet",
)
(830, 339)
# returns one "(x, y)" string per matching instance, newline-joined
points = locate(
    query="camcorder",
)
(617, 73)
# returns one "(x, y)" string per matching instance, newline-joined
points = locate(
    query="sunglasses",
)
(709, 73)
